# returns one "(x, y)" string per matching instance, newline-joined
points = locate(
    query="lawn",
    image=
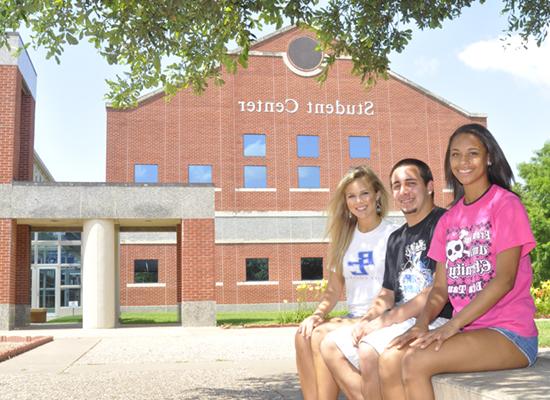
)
(248, 318)
(127, 318)
(544, 332)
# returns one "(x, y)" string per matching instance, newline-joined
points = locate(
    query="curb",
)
(29, 344)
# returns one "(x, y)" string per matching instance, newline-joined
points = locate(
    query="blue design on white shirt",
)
(364, 259)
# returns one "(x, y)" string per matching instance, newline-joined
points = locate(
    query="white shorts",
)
(378, 339)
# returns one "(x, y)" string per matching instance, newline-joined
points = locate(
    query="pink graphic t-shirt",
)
(467, 240)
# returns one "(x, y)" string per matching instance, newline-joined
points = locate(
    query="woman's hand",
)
(438, 336)
(361, 329)
(309, 324)
(413, 334)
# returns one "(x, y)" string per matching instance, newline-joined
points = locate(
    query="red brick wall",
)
(197, 260)
(8, 232)
(26, 147)
(148, 296)
(10, 95)
(208, 129)
(23, 262)
(284, 267)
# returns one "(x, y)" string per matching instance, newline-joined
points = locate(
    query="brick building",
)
(211, 202)
(59, 242)
(273, 143)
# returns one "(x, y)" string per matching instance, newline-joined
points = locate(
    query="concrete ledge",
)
(531, 383)
(198, 313)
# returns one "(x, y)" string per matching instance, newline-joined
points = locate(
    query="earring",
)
(350, 214)
(489, 163)
(378, 207)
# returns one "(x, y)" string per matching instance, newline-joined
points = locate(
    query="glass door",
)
(46, 289)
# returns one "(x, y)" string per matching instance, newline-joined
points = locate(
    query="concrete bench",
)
(526, 384)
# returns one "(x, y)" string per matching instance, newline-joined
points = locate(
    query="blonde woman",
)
(358, 234)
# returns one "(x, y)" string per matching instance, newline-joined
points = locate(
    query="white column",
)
(98, 274)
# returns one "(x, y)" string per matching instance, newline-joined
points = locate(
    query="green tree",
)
(178, 43)
(535, 194)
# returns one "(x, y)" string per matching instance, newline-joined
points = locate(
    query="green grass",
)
(128, 318)
(251, 318)
(544, 332)
(247, 318)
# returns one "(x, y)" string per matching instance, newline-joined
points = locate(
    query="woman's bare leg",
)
(327, 388)
(368, 362)
(389, 371)
(345, 375)
(472, 351)
(315, 378)
(305, 367)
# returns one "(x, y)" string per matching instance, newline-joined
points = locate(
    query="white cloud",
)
(510, 56)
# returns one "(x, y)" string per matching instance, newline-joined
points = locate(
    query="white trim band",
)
(145, 285)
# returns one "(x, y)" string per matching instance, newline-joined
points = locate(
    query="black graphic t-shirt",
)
(408, 268)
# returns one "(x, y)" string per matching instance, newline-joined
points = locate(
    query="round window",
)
(302, 54)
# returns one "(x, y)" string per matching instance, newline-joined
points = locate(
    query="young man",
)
(352, 353)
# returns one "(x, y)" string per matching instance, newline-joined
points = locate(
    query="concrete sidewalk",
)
(154, 363)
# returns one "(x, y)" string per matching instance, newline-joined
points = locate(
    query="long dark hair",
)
(499, 170)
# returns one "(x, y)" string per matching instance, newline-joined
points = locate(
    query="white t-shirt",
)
(363, 266)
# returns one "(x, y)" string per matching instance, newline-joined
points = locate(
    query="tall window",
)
(56, 254)
(146, 173)
(255, 176)
(257, 269)
(200, 174)
(359, 147)
(311, 268)
(146, 271)
(309, 177)
(254, 145)
(307, 146)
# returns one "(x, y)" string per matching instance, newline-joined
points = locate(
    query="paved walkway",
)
(154, 363)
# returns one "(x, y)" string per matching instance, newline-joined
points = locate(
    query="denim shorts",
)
(528, 345)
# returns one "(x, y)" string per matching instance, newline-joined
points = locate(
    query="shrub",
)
(541, 295)
(307, 297)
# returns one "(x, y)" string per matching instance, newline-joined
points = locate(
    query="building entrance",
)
(46, 289)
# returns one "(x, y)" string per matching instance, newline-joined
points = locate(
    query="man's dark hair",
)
(425, 171)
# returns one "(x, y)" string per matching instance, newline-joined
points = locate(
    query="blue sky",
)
(465, 62)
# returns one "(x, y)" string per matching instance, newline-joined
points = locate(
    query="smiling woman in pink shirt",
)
(482, 247)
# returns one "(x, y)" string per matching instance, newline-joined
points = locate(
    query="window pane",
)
(145, 271)
(48, 235)
(312, 268)
(70, 295)
(70, 254)
(200, 174)
(47, 254)
(359, 147)
(254, 145)
(308, 146)
(70, 235)
(70, 276)
(145, 173)
(257, 269)
(309, 177)
(255, 176)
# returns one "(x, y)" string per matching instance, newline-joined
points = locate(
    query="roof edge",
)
(435, 96)
(42, 165)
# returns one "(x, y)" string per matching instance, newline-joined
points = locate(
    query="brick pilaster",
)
(197, 260)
